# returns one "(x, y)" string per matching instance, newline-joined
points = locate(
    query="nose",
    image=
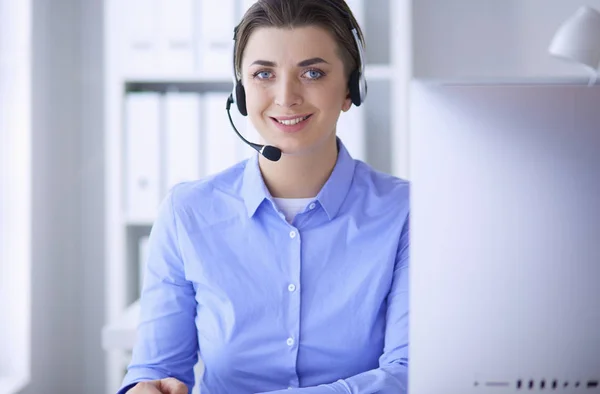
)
(287, 92)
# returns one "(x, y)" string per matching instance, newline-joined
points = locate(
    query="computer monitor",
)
(505, 238)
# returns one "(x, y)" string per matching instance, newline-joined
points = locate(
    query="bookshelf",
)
(381, 141)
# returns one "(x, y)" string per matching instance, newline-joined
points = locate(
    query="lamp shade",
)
(578, 38)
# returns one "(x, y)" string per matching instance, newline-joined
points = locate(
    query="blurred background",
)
(104, 104)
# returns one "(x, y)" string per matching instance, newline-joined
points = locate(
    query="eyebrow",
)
(304, 63)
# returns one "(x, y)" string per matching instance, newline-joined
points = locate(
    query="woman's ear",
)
(347, 103)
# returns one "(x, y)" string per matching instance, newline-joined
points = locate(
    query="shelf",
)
(121, 334)
(179, 77)
(178, 84)
(576, 80)
(138, 222)
(199, 83)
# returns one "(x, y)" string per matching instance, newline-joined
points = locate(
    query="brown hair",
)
(327, 14)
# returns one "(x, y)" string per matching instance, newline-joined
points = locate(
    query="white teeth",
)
(292, 122)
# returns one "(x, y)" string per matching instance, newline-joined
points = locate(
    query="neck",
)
(299, 176)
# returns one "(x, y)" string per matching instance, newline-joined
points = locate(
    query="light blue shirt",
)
(319, 305)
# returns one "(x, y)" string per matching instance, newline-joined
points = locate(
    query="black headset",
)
(357, 83)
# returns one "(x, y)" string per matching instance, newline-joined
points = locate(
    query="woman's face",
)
(295, 87)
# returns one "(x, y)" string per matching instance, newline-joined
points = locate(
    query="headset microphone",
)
(270, 152)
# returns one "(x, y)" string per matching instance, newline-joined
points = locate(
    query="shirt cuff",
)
(127, 388)
(136, 375)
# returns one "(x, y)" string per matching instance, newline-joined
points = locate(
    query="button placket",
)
(293, 301)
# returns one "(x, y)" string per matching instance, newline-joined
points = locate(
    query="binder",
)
(141, 36)
(220, 141)
(217, 21)
(142, 156)
(142, 260)
(351, 130)
(182, 138)
(177, 38)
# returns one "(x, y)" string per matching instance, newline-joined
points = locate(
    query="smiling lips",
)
(291, 124)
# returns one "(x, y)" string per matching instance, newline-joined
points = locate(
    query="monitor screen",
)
(505, 238)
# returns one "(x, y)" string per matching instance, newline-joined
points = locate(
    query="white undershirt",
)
(291, 206)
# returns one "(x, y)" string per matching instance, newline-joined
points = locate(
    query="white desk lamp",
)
(578, 40)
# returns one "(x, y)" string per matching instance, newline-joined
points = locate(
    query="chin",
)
(291, 145)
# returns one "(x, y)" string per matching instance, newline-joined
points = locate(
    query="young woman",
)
(284, 275)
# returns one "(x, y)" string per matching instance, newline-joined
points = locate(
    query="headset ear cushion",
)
(354, 87)
(240, 98)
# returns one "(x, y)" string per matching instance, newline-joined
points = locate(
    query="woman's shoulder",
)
(378, 196)
(225, 182)
(381, 183)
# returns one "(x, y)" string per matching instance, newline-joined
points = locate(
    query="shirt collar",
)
(335, 190)
(254, 190)
(332, 194)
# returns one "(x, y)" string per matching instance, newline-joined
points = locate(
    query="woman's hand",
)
(163, 386)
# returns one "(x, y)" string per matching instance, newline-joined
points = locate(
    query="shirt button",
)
(292, 287)
(292, 234)
(312, 205)
(290, 341)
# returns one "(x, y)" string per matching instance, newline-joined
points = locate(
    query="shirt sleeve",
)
(166, 343)
(392, 375)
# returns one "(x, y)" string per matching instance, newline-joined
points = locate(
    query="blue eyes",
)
(314, 74)
(261, 75)
(311, 74)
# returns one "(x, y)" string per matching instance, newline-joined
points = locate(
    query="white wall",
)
(56, 269)
(490, 38)
(91, 181)
(67, 255)
(539, 20)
